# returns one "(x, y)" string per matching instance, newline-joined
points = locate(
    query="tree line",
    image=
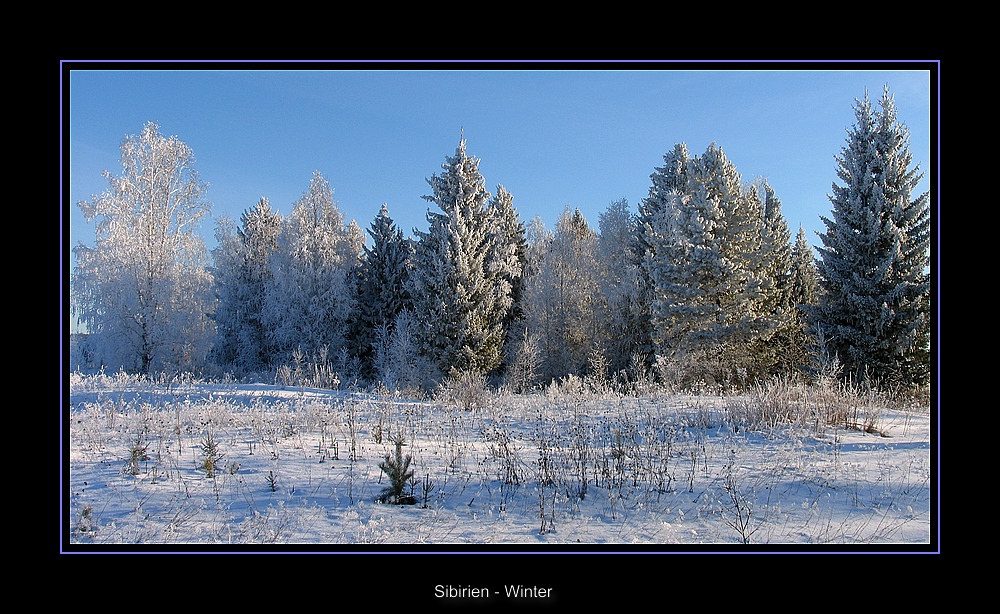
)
(703, 284)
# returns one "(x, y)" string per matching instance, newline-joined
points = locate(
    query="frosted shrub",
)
(136, 454)
(846, 404)
(597, 371)
(464, 389)
(85, 523)
(314, 371)
(525, 362)
(766, 405)
(569, 385)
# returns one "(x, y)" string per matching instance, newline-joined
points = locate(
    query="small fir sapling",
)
(397, 469)
(210, 455)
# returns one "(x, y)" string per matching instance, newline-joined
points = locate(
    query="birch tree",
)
(313, 267)
(143, 288)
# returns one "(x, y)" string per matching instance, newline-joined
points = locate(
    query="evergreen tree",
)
(461, 305)
(382, 281)
(703, 260)
(508, 251)
(313, 294)
(803, 294)
(874, 263)
(243, 277)
(668, 181)
(804, 278)
(779, 346)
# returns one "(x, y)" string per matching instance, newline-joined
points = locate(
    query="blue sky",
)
(553, 135)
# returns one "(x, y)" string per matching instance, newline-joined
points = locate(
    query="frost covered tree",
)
(874, 263)
(243, 278)
(668, 181)
(622, 328)
(537, 239)
(779, 346)
(397, 362)
(702, 237)
(314, 265)
(563, 300)
(143, 289)
(461, 305)
(382, 282)
(804, 283)
(508, 244)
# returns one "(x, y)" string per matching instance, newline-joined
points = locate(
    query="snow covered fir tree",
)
(874, 315)
(701, 286)
(706, 264)
(382, 289)
(463, 276)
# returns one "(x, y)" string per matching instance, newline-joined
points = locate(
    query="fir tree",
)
(779, 346)
(668, 181)
(804, 278)
(702, 242)
(460, 303)
(508, 253)
(803, 294)
(874, 261)
(382, 281)
(397, 469)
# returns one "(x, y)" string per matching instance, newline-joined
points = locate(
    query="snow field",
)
(299, 466)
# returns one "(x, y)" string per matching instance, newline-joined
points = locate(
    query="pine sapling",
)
(211, 456)
(397, 469)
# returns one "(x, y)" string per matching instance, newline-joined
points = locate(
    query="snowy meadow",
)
(184, 464)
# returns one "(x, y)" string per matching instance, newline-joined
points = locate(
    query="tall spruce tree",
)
(382, 283)
(779, 347)
(461, 305)
(803, 294)
(668, 181)
(702, 241)
(508, 251)
(874, 263)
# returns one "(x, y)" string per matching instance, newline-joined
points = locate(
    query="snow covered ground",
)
(298, 468)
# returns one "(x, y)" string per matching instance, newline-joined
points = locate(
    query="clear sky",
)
(552, 134)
